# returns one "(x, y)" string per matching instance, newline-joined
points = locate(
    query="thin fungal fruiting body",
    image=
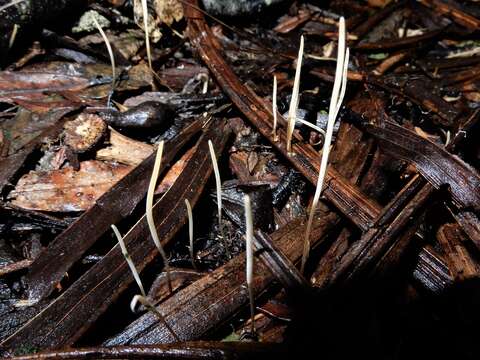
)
(338, 92)
(249, 258)
(10, 4)
(292, 111)
(149, 213)
(190, 231)
(218, 184)
(147, 37)
(129, 260)
(110, 53)
(312, 126)
(143, 297)
(274, 109)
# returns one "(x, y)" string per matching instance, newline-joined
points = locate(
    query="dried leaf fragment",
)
(124, 150)
(169, 11)
(66, 190)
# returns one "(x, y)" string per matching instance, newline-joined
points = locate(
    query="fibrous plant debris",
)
(271, 223)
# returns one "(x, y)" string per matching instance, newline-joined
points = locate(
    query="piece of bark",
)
(452, 10)
(25, 85)
(181, 351)
(437, 165)
(280, 266)
(15, 266)
(398, 43)
(399, 218)
(469, 223)
(431, 271)
(66, 190)
(124, 150)
(10, 166)
(451, 237)
(179, 278)
(73, 312)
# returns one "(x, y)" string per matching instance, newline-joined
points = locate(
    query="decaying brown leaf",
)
(66, 189)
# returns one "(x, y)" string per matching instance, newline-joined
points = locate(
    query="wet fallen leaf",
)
(66, 189)
(26, 125)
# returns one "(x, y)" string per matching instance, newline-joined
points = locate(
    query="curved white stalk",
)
(190, 230)
(10, 4)
(274, 109)
(129, 260)
(312, 126)
(110, 53)
(292, 111)
(249, 257)
(149, 213)
(218, 184)
(339, 88)
(147, 36)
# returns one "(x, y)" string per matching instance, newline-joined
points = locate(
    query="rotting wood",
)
(180, 351)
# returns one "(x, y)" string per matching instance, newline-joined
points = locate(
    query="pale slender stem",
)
(129, 260)
(312, 126)
(274, 109)
(147, 303)
(13, 35)
(149, 213)
(110, 53)
(338, 92)
(147, 37)
(292, 112)
(190, 231)
(249, 258)
(218, 183)
(12, 3)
